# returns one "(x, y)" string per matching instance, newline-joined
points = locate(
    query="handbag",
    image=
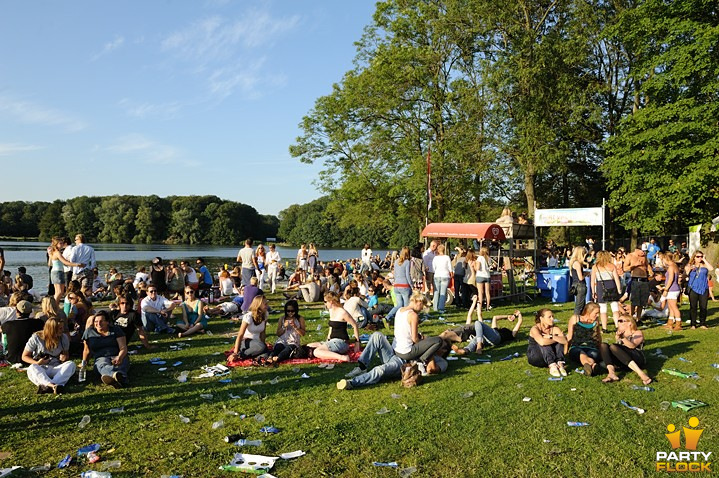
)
(411, 376)
(609, 295)
(573, 288)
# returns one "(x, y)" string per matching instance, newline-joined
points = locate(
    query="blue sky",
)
(166, 97)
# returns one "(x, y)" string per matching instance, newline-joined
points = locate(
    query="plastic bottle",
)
(84, 422)
(96, 474)
(577, 424)
(715, 365)
(645, 388)
(82, 374)
(243, 442)
(218, 424)
(111, 464)
(233, 438)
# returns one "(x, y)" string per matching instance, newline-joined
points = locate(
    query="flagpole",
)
(429, 186)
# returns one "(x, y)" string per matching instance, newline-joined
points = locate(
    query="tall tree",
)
(662, 163)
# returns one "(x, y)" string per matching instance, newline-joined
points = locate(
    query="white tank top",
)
(402, 333)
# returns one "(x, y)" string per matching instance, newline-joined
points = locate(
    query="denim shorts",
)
(482, 280)
(337, 346)
(57, 277)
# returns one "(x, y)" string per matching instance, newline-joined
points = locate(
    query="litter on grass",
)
(269, 430)
(527, 399)
(162, 369)
(84, 422)
(184, 419)
(88, 449)
(225, 380)
(218, 424)
(630, 407)
(182, 378)
(405, 472)
(577, 424)
(249, 391)
(8, 471)
(206, 396)
(683, 359)
(391, 464)
(65, 462)
(292, 454)
(688, 405)
(304, 375)
(259, 418)
(382, 411)
(469, 394)
(510, 357)
(396, 396)
(679, 373)
(255, 382)
(117, 410)
(177, 364)
(555, 379)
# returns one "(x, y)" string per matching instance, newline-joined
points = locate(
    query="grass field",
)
(436, 427)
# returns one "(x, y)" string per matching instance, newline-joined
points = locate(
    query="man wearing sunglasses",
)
(156, 309)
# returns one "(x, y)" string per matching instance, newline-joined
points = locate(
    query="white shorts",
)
(603, 307)
(673, 294)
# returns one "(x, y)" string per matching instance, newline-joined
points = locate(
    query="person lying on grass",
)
(194, 318)
(547, 343)
(250, 341)
(584, 336)
(106, 344)
(480, 334)
(627, 352)
(337, 344)
(290, 330)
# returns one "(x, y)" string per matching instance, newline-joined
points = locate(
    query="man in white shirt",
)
(366, 258)
(67, 254)
(427, 258)
(273, 262)
(85, 255)
(247, 257)
(156, 309)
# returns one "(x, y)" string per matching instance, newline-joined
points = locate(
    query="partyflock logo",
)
(684, 461)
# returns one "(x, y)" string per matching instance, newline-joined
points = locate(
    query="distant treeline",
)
(139, 220)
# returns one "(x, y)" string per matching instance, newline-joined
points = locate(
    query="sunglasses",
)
(151, 291)
(72, 297)
(700, 257)
(123, 302)
(622, 321)
(189, 292)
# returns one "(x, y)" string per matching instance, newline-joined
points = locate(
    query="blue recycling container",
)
(560, 286)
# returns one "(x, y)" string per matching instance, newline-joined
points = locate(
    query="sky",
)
(167, 97)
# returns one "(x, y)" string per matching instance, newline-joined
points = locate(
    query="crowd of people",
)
(176, 298)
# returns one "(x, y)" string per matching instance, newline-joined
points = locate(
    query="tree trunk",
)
(634, 239)
(529, 193)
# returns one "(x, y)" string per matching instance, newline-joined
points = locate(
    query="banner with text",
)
(582, 216)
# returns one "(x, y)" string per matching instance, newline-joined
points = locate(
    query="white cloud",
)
(143, 110)
(215, 38)
(7, 149)
(28, 112)
(109, 47)
(150, 151)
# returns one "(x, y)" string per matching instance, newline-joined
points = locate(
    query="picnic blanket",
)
(354, 356)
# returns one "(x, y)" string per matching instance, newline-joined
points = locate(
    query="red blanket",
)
(354, 356)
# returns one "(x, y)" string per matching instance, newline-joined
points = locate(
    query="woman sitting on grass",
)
(408, 343)
(194, 318)
(290, 330)
(107, 345)
(546, 344)
(627, 352)
(250, 341)
(48, 354)
(585, 336)
(337, 344)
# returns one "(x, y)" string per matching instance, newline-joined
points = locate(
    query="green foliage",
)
(662, 164)
(139, 219)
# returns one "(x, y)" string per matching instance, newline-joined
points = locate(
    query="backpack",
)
(416, 272)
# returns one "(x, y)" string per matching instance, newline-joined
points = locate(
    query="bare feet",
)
(703, 327)
(458, 350)
(610, 379)
(647, 381)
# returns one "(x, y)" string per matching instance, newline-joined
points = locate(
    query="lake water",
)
(128, 257)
